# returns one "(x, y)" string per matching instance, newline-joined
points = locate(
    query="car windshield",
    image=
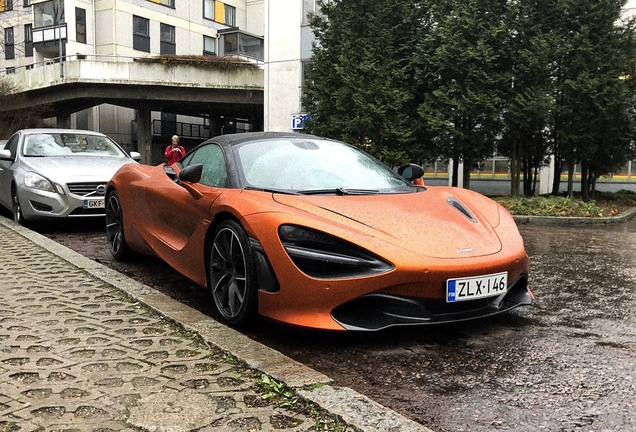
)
(65, 144)
(314, 166)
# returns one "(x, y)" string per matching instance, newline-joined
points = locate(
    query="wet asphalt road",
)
(568, 363)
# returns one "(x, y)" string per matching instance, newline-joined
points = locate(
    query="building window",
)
(26, 3)
(237, 42)
(230, 15)
(169, 3)
(48, 13)
(209, 45)
(167, 44)
(208, 9)
(141, 34)
(9, 49)
(7, 5)
(10, 70)
(28, 40)
(80, 25)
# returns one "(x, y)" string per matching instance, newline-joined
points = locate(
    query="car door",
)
(180, 220)
(7, 167)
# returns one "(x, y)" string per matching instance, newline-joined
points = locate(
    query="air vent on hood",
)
(462, 209)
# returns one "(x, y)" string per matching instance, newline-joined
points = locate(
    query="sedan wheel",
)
(115, 228)
(18, 217)
(232, 277)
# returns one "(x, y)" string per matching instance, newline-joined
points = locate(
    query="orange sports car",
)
(315, 233)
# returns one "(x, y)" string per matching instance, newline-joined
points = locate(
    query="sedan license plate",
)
(476, 287)
(94, 204)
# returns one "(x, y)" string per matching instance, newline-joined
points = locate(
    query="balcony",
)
(48, 38)
(234, 42)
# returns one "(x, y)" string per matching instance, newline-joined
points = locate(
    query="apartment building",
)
(36, 33)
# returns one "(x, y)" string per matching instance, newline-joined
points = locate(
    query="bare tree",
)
(12, 120)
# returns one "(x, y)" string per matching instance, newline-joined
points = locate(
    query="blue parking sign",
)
(298, 121)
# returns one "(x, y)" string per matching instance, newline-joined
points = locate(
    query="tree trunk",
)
(571, 178)
(556, 180)
(527, 178)
(585, 191)
(466, 173)
(514, 171)
(455, 176)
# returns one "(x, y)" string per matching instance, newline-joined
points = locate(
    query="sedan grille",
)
(94, 189)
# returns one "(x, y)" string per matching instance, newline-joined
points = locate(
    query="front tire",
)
(18, 216)
(115, 228)
(232, 275)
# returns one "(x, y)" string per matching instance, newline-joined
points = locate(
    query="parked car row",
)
(295, 228)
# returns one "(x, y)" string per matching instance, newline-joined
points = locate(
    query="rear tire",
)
(232, 278)
(115, 228)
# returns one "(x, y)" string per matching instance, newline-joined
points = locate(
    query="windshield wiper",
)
(340, 191)
(280, 191)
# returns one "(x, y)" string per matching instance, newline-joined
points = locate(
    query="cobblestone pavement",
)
(78, 354)
(83, 348)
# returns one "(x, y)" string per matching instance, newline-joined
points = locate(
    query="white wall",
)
(283, 20)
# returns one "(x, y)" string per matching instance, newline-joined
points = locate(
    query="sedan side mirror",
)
(135, 156)
(5, 154)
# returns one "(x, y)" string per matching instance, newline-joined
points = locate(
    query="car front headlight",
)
(324, 256)
(36, 181)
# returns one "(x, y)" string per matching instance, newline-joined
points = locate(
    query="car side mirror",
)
(191, 174)
(5, 154)
(187, 176)
(411, 171)
(135, 156)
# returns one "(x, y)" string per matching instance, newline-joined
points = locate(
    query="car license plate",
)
(476, 287)
(93, 204)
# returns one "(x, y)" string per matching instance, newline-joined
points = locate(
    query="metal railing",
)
(184, 130)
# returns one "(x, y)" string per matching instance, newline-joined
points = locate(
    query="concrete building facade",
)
(39, 33)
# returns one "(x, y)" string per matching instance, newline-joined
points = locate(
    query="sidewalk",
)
(85, 348)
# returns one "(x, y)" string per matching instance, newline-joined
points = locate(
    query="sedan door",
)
(7, 167)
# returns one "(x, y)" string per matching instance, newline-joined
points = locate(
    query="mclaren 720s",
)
(315, 233)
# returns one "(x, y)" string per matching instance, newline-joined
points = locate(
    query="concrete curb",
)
(557, 220)
(354, 408)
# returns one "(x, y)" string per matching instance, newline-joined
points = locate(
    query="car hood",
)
(436, 223)
(65, 169)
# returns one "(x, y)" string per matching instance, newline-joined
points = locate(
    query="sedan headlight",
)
(36, 181)
(324, 256)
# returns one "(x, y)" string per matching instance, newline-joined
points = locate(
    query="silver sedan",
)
(58, 173)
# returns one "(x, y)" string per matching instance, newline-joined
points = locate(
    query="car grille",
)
(87, 212)
(94, 189)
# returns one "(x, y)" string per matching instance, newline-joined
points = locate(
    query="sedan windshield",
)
(65, 144)
(314, 166)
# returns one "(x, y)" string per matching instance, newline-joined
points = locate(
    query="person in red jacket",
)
(174, 151)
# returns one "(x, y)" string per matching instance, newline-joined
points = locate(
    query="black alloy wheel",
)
(115, 228)
(232, 274)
